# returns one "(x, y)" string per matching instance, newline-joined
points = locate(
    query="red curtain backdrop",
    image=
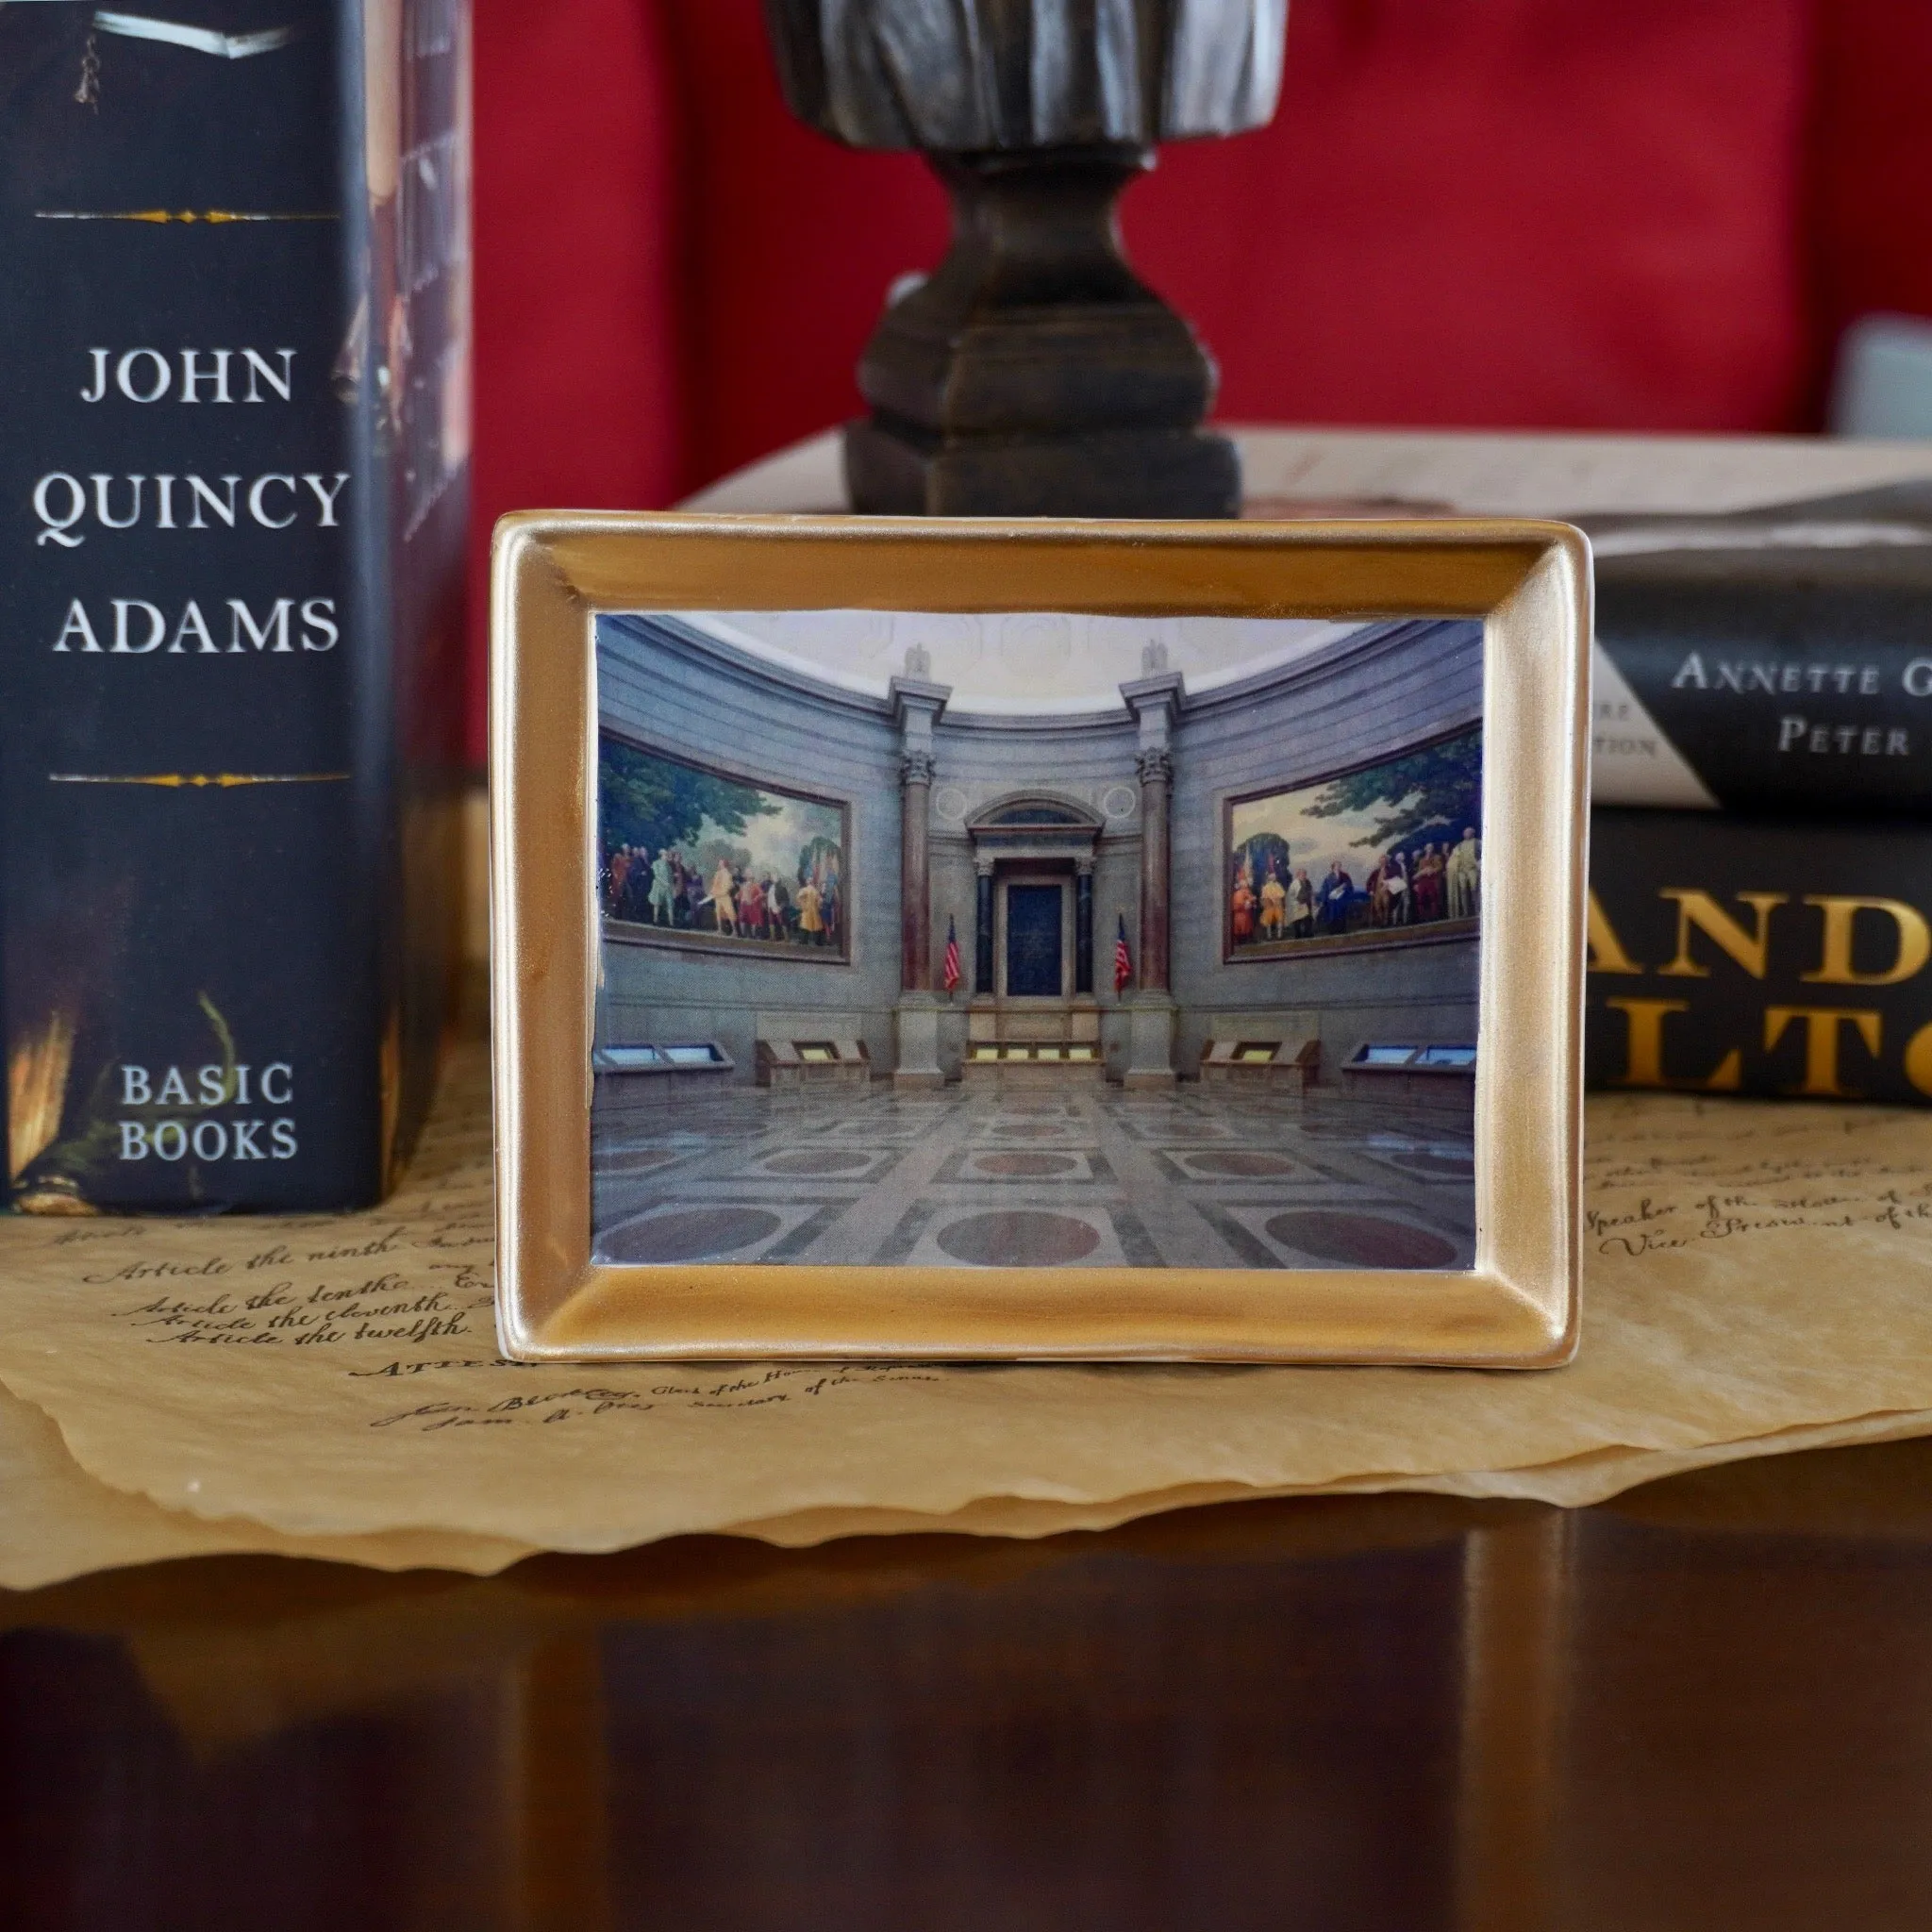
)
(1567, 213)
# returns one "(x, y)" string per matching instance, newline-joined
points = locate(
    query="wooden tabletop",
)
(1706, 1704)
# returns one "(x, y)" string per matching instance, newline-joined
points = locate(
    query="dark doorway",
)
(1033, 941)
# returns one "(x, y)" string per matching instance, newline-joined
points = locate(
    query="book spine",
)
(1761, 956)
(210, 689)
(1723, 684)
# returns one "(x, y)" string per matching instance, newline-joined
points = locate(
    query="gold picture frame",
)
(1528, 585)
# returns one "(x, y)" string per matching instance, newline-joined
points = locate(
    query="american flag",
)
(1123, 959)
(951, 971)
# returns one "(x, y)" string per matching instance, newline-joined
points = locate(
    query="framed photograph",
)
(950, 940)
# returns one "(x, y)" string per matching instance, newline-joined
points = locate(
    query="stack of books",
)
(1762, 873)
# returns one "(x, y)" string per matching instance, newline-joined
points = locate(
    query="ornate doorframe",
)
(1056, 834)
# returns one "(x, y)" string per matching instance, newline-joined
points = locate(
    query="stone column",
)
(1083, 927)
(915, 882)
(1156, 701)
(917, 703)
(982, 931)
(1156, 771)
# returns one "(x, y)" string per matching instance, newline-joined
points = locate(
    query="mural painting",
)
(1387, 855)
(689, 857)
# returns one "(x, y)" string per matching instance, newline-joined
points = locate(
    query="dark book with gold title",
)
(1788, 957)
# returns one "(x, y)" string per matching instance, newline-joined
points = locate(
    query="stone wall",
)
(1354, 704)
(673, 690)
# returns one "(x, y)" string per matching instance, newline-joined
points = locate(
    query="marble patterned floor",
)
(1093, 1179)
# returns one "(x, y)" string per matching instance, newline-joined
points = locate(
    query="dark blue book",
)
(233, 384)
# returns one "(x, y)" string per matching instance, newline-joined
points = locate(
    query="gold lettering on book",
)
(1918, 1059)
(1700, 911)
(1643, 1056)
(1607, 953)
(1821, 1027)
(1835, 965)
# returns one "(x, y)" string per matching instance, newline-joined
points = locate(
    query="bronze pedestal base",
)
(1127, 473)
(1034, 374)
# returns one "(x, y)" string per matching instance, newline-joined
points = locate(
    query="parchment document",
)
(1759, 1277)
